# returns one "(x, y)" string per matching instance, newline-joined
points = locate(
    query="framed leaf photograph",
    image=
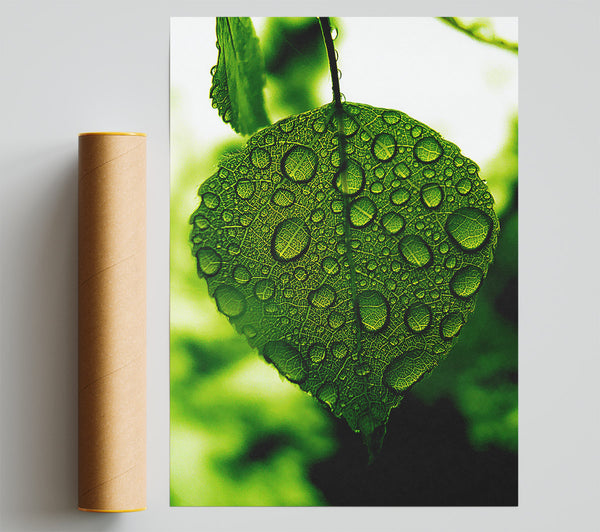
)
(344, 276)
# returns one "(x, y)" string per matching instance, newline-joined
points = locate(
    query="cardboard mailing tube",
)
(112, 322)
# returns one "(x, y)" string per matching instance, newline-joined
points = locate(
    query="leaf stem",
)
(335, 80)
(474, 31)
(339, 115)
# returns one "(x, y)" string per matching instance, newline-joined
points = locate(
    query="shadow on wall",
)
(38, 375)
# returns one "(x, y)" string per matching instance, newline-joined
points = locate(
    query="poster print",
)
(343, 268)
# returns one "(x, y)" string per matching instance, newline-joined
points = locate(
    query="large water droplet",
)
(384, 147)
(201, 223)
(418, 317)
(290, 240)
(336, 320)
(210, 200)
(451, 325)
(463, 186)
(432, 195)
(320, 124)
(328, 394)
(351, 180)
(264, 289)
(283, 197)
(230, 301)
(407, 369)
(362, 212)
(241, 274)
(469, 228)
(428, 150)
(349, 125)
(415, 251)
(260, 158)
(466, 281)
(391, 117)
(322, 297)
(373, 310)
(450, 262)
(402, 171)
(317, 352)
(317, 215)
(208, 262)
(287, 359)
(330, 266)
(377, 187)
(244, 188)
(392, 222)
(400, 196)
(287, 125)
(299, 164)
(339, 349)
(416, 131)
(301, 274)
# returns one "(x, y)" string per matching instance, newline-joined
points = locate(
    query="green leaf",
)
(239, 76)
(353, 282)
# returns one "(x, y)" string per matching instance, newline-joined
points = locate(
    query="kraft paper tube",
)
(112, 322)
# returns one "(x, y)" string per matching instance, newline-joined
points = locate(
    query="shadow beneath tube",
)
(38, 375)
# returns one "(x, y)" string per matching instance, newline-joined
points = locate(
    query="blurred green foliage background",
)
(241, 435)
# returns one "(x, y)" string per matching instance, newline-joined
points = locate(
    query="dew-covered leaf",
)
(238, 77)
(353, 279)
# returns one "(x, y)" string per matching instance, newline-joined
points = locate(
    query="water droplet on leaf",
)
(283, 197)
(377, 187)
(384, 147)
(211, 200)
(362, 211)
(406, 369)
(392, 222)
(328, 394)
(451, 325)
(208, 261)
(322, 297)
(299, 164)
(317, 216)
(428, 150)
(330, 266)
(400, 196)
(351, 180)
(466, 281)
(264, 289)
(241, 274)
(373, 310)
(469, 228)
(432, 195)
(260, 158)
(317, 352)
(336, 320)
(339, 349)
(290, 240)
(463, 187)
(415, 251)
(287, 359)
(244, 188)
(418, 317)
(402, 171)
(230, 301)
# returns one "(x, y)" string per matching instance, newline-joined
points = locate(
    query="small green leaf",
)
(239, 76)
(355, 281)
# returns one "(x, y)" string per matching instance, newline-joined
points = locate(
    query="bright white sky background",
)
(464, 89)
